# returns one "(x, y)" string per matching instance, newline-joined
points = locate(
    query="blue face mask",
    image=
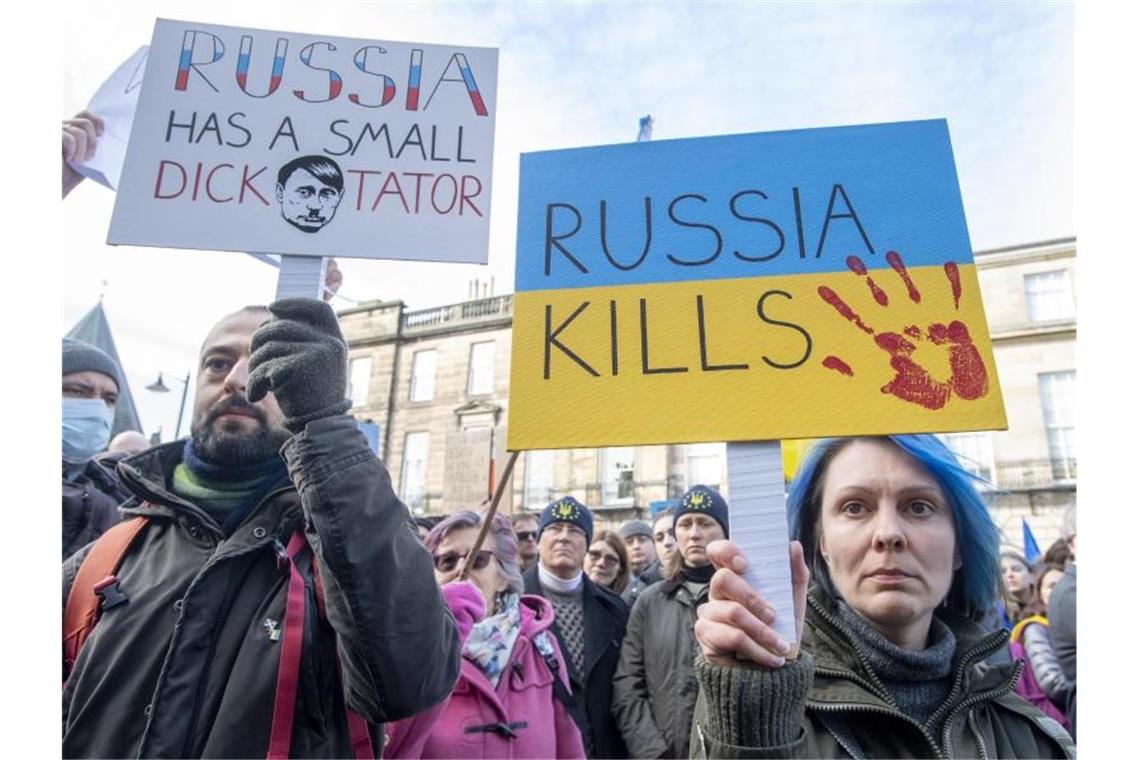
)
(86, 428)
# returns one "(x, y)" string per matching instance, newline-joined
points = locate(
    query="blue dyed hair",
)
(975, 585)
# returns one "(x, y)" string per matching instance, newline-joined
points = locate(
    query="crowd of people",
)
(258, 589)
(1038, 608)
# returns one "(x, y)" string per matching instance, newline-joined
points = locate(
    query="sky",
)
(579, 74)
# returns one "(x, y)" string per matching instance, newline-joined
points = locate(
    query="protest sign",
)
(748, 287)
(303, 144)
(114, 102)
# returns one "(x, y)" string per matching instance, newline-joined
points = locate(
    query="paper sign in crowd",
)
(263, 141)
(115, 102)
(748, 287)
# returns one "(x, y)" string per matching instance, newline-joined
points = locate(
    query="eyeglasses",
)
(609, 560)
(526, 535)
(445, 563)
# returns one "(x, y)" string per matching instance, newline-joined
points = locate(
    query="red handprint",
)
(913, 382)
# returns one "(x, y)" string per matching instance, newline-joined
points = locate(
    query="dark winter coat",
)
(655, 688)
(90, 506)
(638, 582)
(828, 703)
(605, 620)
(188, 667)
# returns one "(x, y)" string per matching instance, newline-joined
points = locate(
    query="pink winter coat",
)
(525, 695)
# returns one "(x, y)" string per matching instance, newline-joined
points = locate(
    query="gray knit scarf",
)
(918, 681)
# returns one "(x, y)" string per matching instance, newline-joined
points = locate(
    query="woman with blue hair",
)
(904, 559)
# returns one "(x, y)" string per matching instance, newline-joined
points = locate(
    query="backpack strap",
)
(289, 664)
(1019, 629)
(561, 693)
(96, 573)
(289, 660)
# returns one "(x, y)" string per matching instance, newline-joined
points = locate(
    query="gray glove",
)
(301, 356)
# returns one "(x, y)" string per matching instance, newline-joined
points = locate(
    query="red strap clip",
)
(108, 590)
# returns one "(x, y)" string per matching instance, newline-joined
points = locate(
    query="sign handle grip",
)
(470, 561)
(300, 277)
(759, 522)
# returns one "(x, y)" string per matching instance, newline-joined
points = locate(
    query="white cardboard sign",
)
(114, 102)
(254, 140)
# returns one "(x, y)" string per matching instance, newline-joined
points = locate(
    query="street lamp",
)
(160, 387)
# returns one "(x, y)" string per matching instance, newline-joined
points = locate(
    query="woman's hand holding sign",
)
(736, 623)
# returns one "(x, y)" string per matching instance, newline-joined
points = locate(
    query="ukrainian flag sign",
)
(793, 284)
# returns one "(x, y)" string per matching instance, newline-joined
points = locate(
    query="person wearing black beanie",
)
(568, 509)
(702, 500)
(589, 621)
(657, 653)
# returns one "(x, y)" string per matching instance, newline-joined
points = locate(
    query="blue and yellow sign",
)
(748, 287)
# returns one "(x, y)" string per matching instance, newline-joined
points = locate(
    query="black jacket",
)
(639, 582)
(605, 620)
(90, 506)
(188, 667)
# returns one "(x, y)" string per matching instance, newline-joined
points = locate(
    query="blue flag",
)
(371, 433)
(1032, 552)
(645, 128)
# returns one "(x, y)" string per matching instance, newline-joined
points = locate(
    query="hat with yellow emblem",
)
(705, 501)
(568, 509)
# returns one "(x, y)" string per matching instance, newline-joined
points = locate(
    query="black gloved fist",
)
(301, 356)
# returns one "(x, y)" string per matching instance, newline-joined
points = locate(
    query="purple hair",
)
(500, 541)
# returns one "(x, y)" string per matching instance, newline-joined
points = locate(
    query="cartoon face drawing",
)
(309, 189)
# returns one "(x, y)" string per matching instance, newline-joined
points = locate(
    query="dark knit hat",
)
(568, 509)
(705, 501)
(84, 357)
(636, 528)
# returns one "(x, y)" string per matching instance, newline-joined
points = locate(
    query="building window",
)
(481, 370)
(617, 474)
(1049, 296)
(539, 479)
(423, 375)
(1058, 402)
(704, 465)
(359, 377)
(975, 452)
(413, 475)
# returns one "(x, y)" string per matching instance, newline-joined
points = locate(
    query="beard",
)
(236, 448)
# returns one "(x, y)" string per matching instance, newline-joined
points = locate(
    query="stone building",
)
(435, 384)
(1029, 292)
